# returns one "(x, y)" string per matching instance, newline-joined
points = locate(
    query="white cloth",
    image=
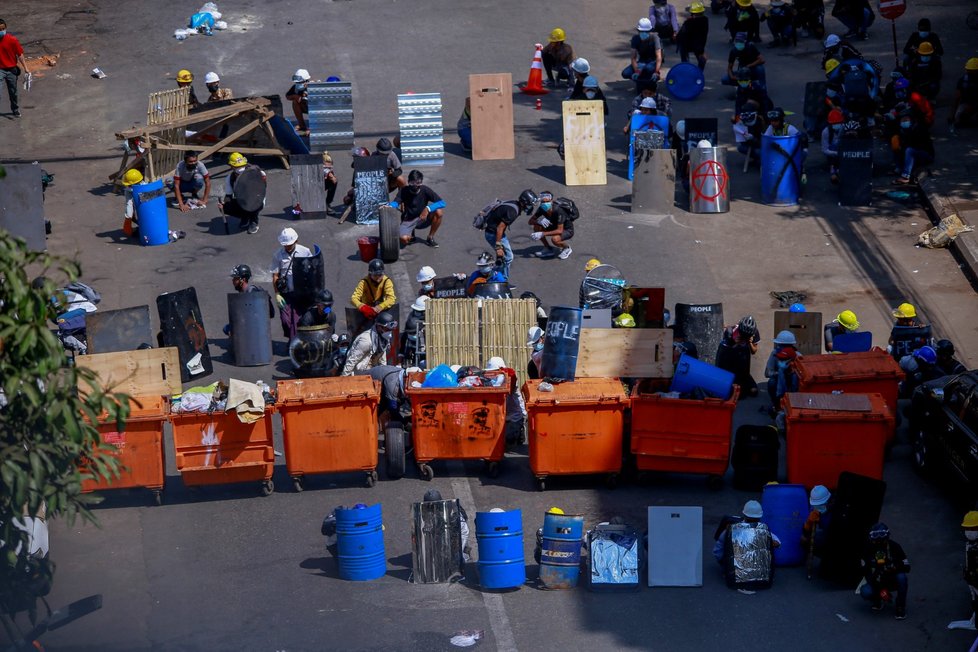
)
(282, 262)
(246, 400)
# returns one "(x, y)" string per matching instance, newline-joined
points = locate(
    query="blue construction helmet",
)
(797, 307)
(927, 354)
(333, 78)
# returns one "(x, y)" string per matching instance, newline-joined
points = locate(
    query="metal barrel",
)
(149, 201)
(701, 324)
(308, 277)
(500, 538)
(709, 182)
(311, 350)
(782, 159)
(251, 335)
(561, 343)
(436, 541)
(560, 557)
(360, 543)
(493, 291)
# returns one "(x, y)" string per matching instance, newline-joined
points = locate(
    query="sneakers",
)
(16, 113)
(565, 253)
(431, 243)
(877, 605)
(901, 614)
(253, 228)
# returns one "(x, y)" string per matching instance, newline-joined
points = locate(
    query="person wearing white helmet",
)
(813, 533)
(752, 514)
(779, 371)
(839, 49)
(217, 92)
(590, 90)
(534, 340)
(515, 407)
(281, 269)
(426, 277)
(581, 69)
(299, 96)
(646, 60)
(659, 104)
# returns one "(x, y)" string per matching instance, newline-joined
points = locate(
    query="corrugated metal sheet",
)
(422, 130)
(330, 115)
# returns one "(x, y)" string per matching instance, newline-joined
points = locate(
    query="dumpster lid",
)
(312, 390)
(145, 408)
(579, 390)
(832, 402)
(847, 366)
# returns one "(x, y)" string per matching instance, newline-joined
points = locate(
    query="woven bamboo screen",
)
(504, 326)
(452, 332)
(164, 106)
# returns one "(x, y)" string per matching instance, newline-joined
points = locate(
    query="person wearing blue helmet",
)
(919, 367)
(779, 371)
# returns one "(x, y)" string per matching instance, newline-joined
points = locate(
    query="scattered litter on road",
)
(913, 224)
(915, 271)
(467, 638)
(631, 227)
(746, 592)
(64, 75)
(842, 618)
(698, 241)
(98, 74)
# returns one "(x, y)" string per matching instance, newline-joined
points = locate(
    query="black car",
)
(944, 429)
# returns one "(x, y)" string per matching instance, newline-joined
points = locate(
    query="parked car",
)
(944, 429)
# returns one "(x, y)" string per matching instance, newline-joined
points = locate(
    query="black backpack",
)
(569, 207)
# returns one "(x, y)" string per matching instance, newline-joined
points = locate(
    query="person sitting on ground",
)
(737, 346)
(581, 69)
(191, 176)
(421, 208)
(591, 90)
(946, 360)
(918, 367)
(811, 17)
(752, 513)
(750, 93)
(964, 106)
(486, 272)
(664, 19)
(747, 57)
(557, 57)
(646, 49)
(781, 19)
(856, 15)
(885, 567)
(844, 324)
(375, 292)
(912, 148)
(552, 220)
(693, 35)
(241, 280)
(748, 128)
(922, 34)
(299, 96)
(835, 47)
(217, 92)
(777, 126)
(742, 18)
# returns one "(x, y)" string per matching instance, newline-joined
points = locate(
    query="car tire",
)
(922, 455)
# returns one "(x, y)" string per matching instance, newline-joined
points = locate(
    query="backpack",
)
(855, 83)
(480, 220)
(86, 291)
(569, 207)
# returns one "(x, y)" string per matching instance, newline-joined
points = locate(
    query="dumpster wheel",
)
(541, 484)
(267, 487)
(426, 472)
(394, 448)
(158, 497)
(297, 484)
(371, 478)
(493, 469)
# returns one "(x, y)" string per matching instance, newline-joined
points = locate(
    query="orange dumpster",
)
(217, 448)
(576, 429)
(682, 435)
(457, 423)
(863, 372)
(138, 446)
(329, 425)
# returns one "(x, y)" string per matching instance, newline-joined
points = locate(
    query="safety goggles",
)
(773, 115)
(388, 327)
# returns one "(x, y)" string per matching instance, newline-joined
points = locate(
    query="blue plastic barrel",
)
(685, 81)
(561, 343)
(500, 537)
(785, 512)
(360, 544)
(560, 557)
(782, 159)
(695, 374)
(149, 201)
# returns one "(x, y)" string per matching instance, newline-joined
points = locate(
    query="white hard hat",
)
(419, 303)
(644, 25)
(753, 509)
(496, 510)
(704, 143)
(288, 236)
(590, 82)
(819, 496)
(647, 103)
(533, 335)
(413, 370)
(495, 363)
(211, 78)
(681, 129)
(581, 65)
(455, 368)
(425, 274)
(301, 75)
(832, 40)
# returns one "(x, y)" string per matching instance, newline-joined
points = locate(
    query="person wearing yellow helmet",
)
(969, 525)
(130, 223)
(557, 58)
(742, 16)
(925, 70)
(693, 34)
(964, 107)
(845, 323)
(235, 203)
(185, 79)
(664, 19)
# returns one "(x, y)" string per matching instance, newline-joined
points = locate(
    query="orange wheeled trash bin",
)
(576, 429)
(329, 425)
(138, 446)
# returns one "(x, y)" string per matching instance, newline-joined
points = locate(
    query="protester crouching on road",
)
(845, 323)
(421, 208)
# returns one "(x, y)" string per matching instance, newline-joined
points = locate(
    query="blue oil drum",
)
(561, 343)
(360, 543)
(785, 512)
(500, 537)
(560, 557)
(685, 81)
(782, 158)
(149, 202)
(695, 374)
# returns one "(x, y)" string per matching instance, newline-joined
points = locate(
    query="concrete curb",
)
(965, 246)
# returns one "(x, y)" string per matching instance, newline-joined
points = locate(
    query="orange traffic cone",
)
(534, 83)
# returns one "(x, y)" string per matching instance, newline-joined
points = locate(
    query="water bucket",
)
(785, 512)
(781, 168)
(149, 202)
(360, 544)
(709, 182)
(369, 246)
(685, 81)
(500, 537)
(695, 374)
(560, 556)
(561, 343)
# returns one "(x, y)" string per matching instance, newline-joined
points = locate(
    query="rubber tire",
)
(390, 234)
(541, 484)
(267, 487)
(426, 472)
(921, 455)
(297, 484)
(394, 449)
(371, 479)
(158, 497)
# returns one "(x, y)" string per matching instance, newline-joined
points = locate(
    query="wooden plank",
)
(308, 190)
(807, 327)
(452, 332)
(234, 107)
(625, 352)
(504, 326)
(491, 101)
(585, 159)
(153, 372)
(191, 147)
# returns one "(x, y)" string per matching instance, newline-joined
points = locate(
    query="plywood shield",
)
(806, 326)
(491, 104)
(585, 159)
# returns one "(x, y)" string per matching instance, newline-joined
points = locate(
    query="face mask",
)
(414, 189)
(836, 128)
(743, 84)
(538, 346)
(904, 125)
(971, 535)
(645, 36)
(589, 94)
(326, 310)
(3, 33)
(428, 287)
(924, 34)
(387, 335)
(546, 206)
(343, 350)
(831, 93)
(924, 59)
(485, 271)
(739, 46)
(821, 509)
(299, 88)
(212, 87)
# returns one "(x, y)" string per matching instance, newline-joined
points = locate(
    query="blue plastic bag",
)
(199, 20)
(440, 377)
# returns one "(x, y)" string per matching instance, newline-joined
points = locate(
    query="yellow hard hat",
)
(904, 311)
(591, 264)
(557, 35)
(847, 319)
(743, 3)
(697, 8)
(132, 177)
(971, 64)
(625, 320)
(555, 510)
(237, 160)
(831, 65)
(925, 48)
(970, 519)
(185, 76)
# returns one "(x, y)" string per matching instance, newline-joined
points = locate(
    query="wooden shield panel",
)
(585, 161)
(807, 327)
(491, 102)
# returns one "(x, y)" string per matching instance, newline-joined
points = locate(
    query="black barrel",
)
(118, 330)
(308, 277)
(182, 326)
(561, 343)
(493, 291)
(755, 457)
(251, 335)
(701, 324)
(311, 350)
